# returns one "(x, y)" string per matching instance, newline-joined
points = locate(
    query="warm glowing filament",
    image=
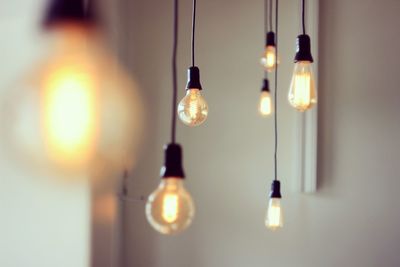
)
(69, 113)
(265, 106)
(193, 106)
(274, 217)
(269, 59)
(170, 208)
(302, 90)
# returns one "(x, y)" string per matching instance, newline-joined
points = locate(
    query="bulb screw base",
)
(60, 11)
(303, 48)
(270, 39)
(172, 162)
(265, 86)
(193, 78)
(275, 189)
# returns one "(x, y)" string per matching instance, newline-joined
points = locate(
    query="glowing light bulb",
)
(269, 59)
(302, 94)
(78, 112)
(170, 208)
(274, 218)
(265, 104)
(193, 108)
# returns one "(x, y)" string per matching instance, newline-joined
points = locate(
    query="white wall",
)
(43, 222)
(353, 218)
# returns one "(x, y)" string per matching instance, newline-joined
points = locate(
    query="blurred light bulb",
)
(302, 94)
(193, 108)
(170, 208)
(274, 218)
(265, 105)
(83, 111)
(269, 59)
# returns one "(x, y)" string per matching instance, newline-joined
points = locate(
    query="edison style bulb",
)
(269, 58)
(265, 105)
(274, 218)
(193, 108)
(78, 111)
(170, 208)
(302, 94)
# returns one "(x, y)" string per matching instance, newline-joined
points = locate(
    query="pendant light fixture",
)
(269, 58)
(170, 208)
(193, 108)
(302, 93)
(77, 111)
(274, 216)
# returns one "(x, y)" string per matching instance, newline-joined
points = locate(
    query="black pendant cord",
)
(270, 15)
(303, 15)
(193, 28)
(276, 95)
(174, 73)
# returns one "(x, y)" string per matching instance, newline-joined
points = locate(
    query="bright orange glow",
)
(302, 95)
(70, 113)
(170, 208)
(193, 108)
(269, 58)
(265, 105)
(302, 91)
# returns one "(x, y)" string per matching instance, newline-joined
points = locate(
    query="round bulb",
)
(193, 108)
(302, 94)
(265, 105)
(78, 111)
(170, 208)
(269, 58)
(274, 218)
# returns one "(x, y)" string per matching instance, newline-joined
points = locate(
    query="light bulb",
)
(170, 208)
(78, 111)
(193, 108)
(265, 105)
(302, 94)
(269, 58)
(274, 216)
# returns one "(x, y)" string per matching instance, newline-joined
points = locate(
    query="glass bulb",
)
(274, 218)
(265, 105)
(170, 208)
(302, 94)
(77, 111)
(269, 58)
(193, 108)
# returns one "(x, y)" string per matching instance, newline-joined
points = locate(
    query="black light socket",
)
(265, 86)
(193, 78)
(172, 162)
(275, 189)
(270, 39)
(303, 48)
(61, 11)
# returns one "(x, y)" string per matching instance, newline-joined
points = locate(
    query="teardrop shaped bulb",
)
(170, 208)
(193, 108)
(265, 104)
(269, 58)
(302, 94)
(274, 216)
